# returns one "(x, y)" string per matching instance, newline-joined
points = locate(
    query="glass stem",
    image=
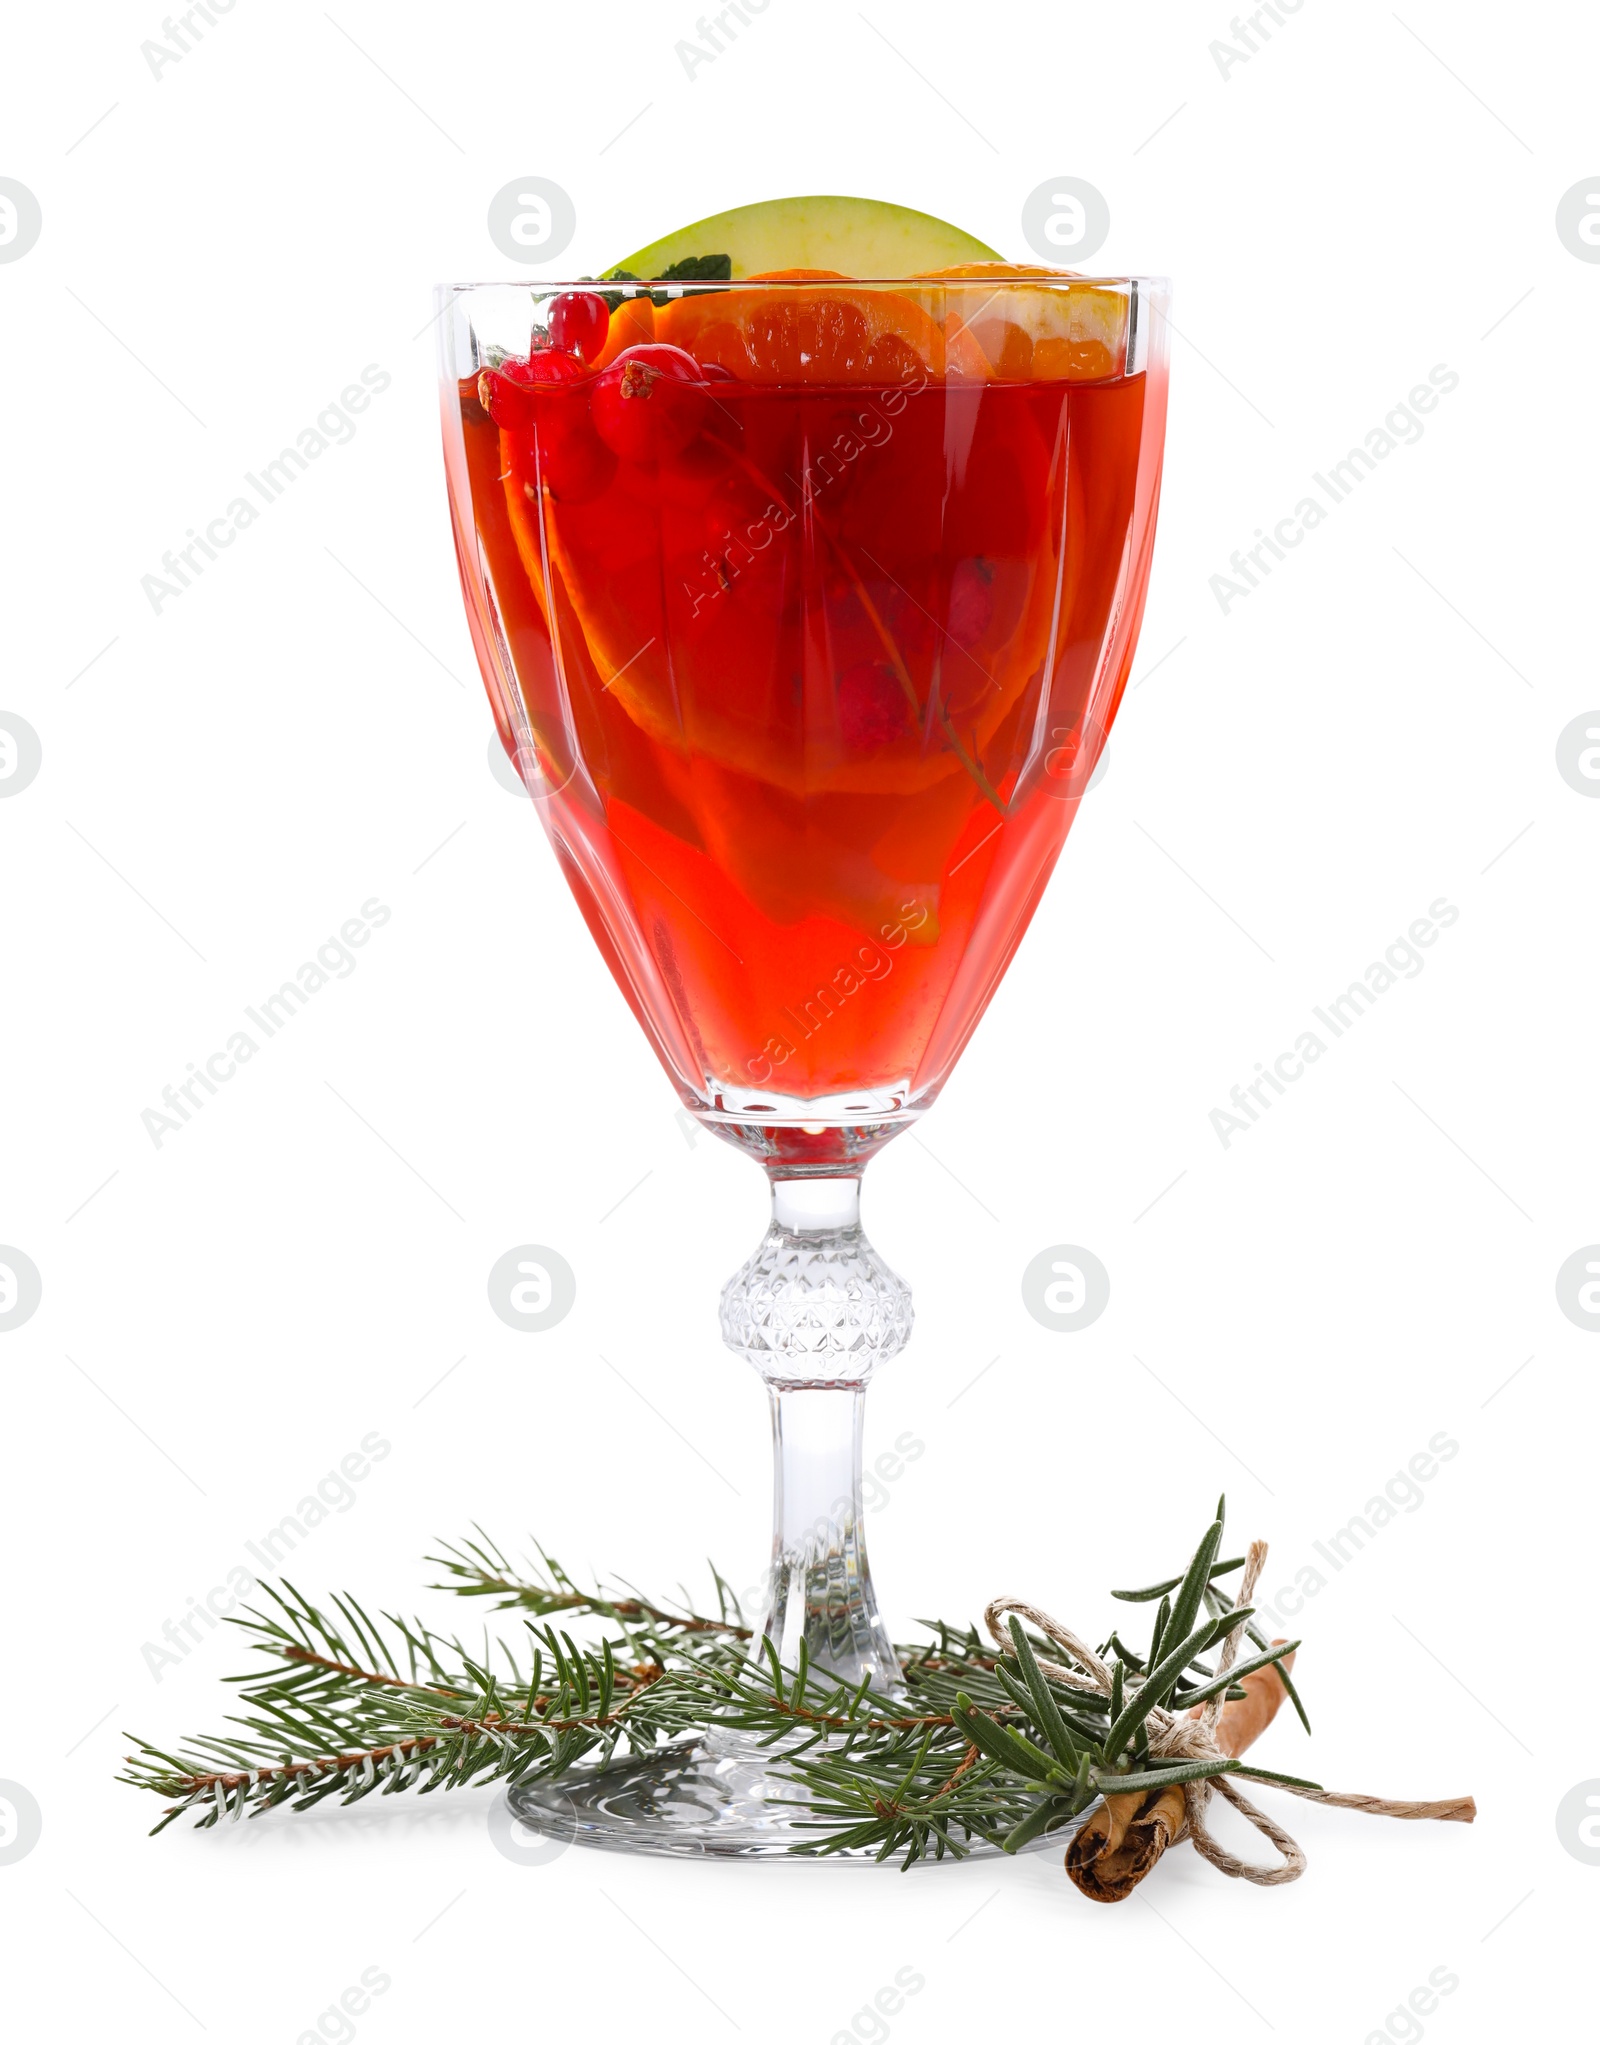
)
(821, 1585)
(816, 1310)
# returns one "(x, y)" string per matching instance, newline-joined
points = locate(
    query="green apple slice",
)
(860, 237)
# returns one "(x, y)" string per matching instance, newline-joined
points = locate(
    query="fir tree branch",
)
(975, 1746)
(483, 1571)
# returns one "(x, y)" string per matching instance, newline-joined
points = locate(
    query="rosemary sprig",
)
(978, 1744)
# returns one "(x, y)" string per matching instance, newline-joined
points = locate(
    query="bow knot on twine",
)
(1121, 1841)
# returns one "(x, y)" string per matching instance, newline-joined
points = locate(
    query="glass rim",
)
(684, 285)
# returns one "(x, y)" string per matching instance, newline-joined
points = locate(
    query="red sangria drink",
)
(807, 605)
(805, 597)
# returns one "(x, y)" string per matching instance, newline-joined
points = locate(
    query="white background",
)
(1290, 784)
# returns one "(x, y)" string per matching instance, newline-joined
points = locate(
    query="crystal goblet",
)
(804, 607)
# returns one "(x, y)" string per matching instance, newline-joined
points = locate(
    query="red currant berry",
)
(507, 391)
(650, 403)
(549, 365)
(579, 322)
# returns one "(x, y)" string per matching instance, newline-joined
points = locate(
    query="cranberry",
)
(579, 322)
(873, 709)
(650, 403)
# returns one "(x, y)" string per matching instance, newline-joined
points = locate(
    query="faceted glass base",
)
(698, 1798)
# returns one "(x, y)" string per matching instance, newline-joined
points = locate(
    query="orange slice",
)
(1029, 328)
(817, 333)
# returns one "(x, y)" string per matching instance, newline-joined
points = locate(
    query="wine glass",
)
(804, 608)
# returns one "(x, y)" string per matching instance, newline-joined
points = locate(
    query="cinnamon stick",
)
(1120, 1842)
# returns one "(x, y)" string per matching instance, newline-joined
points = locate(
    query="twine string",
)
(1185, 1737)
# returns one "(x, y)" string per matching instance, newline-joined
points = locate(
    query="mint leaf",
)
(695, 270)
(688, 270)
(614, 298)
(700, 270)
